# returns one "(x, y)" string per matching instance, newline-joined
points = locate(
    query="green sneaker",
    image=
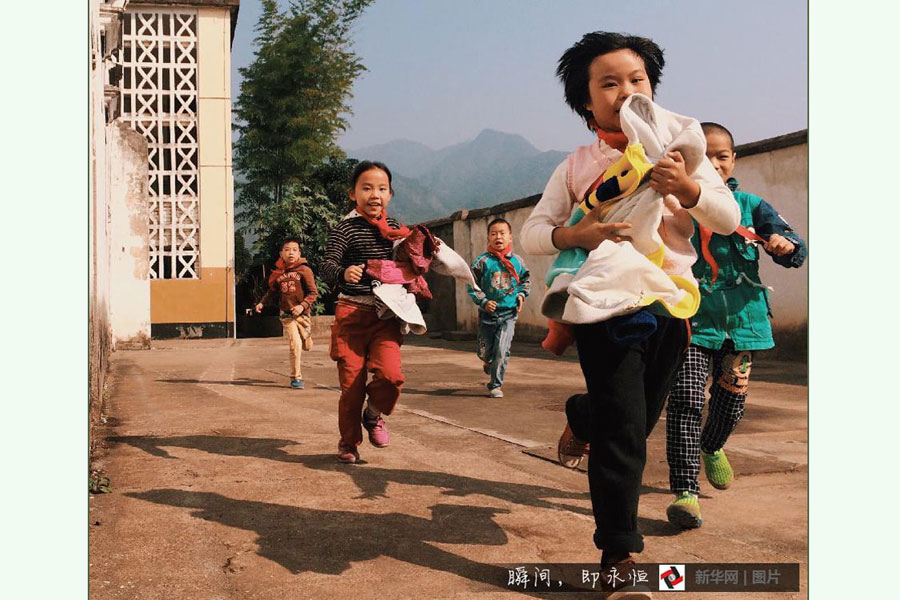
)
(685, 511)
(718, 469)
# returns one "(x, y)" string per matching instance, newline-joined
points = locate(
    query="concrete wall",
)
(785, 187)
(780, 176)
(129, 225)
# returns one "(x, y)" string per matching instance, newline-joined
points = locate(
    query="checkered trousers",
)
(684, 410)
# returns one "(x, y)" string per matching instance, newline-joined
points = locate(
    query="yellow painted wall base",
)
(205, 300)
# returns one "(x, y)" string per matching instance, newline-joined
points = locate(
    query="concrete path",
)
(225, 483)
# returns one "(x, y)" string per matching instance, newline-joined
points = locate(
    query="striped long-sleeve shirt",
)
(353, 241)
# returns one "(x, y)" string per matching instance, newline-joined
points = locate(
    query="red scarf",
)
(501, 256)
(280, 269)
(614, 139)
(385, 229)
(706, 235)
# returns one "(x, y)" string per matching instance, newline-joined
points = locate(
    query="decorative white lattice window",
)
(159, 100)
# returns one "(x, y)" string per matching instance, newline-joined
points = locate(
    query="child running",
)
(293, 282)
(627, 382)
(360, 341)
(505, 283)
(732, 323)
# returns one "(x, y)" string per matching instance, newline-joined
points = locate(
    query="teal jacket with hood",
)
(736, 305)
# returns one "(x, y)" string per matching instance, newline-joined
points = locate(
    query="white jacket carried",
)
(654, 268)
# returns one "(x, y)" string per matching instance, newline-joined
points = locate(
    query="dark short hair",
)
(710, 127)
(290, 239)
(499, 220)
(573, 65)
(368, 165)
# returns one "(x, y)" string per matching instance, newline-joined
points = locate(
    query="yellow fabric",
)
(685, 308)
(629, 170)
(657, 257)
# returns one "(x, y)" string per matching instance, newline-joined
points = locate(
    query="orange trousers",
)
(363, 343)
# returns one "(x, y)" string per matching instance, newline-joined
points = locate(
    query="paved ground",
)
(225, 483)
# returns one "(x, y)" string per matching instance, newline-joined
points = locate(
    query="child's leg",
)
(626, 393)
(385, 363)
(503, 336)
(684, 414)
(348, 348)
(295, 343)
(731, 372)
(487, 328)
(664, 357)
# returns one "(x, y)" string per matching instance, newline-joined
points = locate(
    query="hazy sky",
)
(440, 71)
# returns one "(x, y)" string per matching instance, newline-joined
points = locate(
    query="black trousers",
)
(626, 389)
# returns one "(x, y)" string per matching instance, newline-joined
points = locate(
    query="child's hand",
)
(354, 273)
(258, 307)
(490, 306)
(297, 310)
(779, 245)
(669, 177)
(589, 232)
(520, 300)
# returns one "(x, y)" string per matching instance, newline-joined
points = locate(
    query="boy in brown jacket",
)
(295, 285)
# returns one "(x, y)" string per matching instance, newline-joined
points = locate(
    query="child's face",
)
(499, 236)
(372, 193)
(720, 153)
(612, 77)
(290, 253)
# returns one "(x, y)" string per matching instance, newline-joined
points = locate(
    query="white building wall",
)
(98, 207)
(129, 225)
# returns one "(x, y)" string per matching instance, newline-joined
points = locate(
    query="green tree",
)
(292, 106)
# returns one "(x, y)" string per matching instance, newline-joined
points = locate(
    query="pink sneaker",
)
(347, 453)
(378, 433)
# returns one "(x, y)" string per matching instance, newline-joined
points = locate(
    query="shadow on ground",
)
(460, 392)
(242, 381)
(328, 541)
(344, 537)
(371, 481)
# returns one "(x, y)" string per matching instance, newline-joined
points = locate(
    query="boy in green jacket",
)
(732, 322)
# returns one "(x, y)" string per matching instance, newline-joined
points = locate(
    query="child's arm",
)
(332, 260)
(703, 193)
(312, 292)
(478, 296)
(524, 285)
(524, 279)
(270, 293)
(784, 245)
(545, 230)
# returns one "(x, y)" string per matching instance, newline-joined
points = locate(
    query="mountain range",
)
(494, 167)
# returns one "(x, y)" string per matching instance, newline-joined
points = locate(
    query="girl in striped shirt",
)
(360, 340)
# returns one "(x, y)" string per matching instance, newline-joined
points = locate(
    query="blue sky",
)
(440, 71)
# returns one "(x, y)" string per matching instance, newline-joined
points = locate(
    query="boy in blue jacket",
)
(732, 323)
(505, 282)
